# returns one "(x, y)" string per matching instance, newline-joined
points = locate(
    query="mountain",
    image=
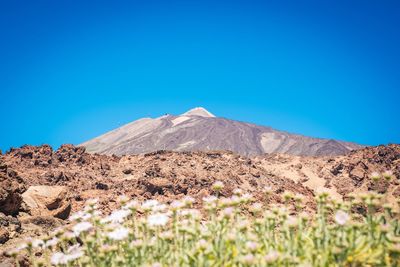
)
(198, 129)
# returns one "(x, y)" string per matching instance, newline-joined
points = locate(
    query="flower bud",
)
(217, 186)
(388, 175)
(375, 176)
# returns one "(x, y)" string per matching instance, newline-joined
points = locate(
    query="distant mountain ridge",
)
(198, 129)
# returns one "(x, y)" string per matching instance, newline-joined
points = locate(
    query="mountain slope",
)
(199, 129)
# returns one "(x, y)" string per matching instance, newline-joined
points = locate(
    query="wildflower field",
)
(235, 231)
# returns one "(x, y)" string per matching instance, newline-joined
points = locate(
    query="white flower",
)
(37, 243)
(75, 216)
(237, 191)
(246, 197)
(375, 176)
(96, 213)
(119, 234)
(70, 235)
(82, 227)
(242, 224)
(267, 190)
(202, 244)
(341, 217)
(323, 192)
(74, 252)
(92, 201)
(225, 202)
(248, 259)
(90, 208)
(87, 216)
(256, 207)
(218, 185)
(123, 199)
(188, 200)
(159, 208)
(252, 246)
(228, 212)
(271, 257)
(231, 236)
(176, 205)
(210, 199)
(80, 216)
(133, 204)
(22, 246)
(291, 221)
(149, 204)
(117, 216)
(59, 258)
(191, 213)
(235, 200)
(51, 243)
(137, 243)
(158, 219)
(168, 235)
(152, 242)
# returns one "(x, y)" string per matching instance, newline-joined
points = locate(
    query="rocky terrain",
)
(40, 187)
(199, 130)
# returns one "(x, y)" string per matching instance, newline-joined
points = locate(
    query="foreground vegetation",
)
(229, 232)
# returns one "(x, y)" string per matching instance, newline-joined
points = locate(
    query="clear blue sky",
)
(71, 70)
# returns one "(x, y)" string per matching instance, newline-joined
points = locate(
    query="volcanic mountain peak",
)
(199, 130)
(199, 111)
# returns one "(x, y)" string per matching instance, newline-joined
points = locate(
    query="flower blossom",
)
(218, 185)
(117, 216)
(52, 242)
(58, 258)
(341, 217)
(72, 254)
(81, 227)
(37, 243)
(80, 216)
(119, 234)
(271, 257)
(158, 219)
(150, 204)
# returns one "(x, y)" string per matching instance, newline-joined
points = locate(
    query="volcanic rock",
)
(4, 236)
(11, 187)
(47, 200)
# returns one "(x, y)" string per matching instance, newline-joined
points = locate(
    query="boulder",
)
(9, 223)
(4, 236)
(47, 201)
(358, 173)
(101, 186)
(11, 187)
(10, 199)
(158, 185)
(127, 171)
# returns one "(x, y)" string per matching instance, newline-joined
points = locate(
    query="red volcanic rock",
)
(47, 201)
(11, 187)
